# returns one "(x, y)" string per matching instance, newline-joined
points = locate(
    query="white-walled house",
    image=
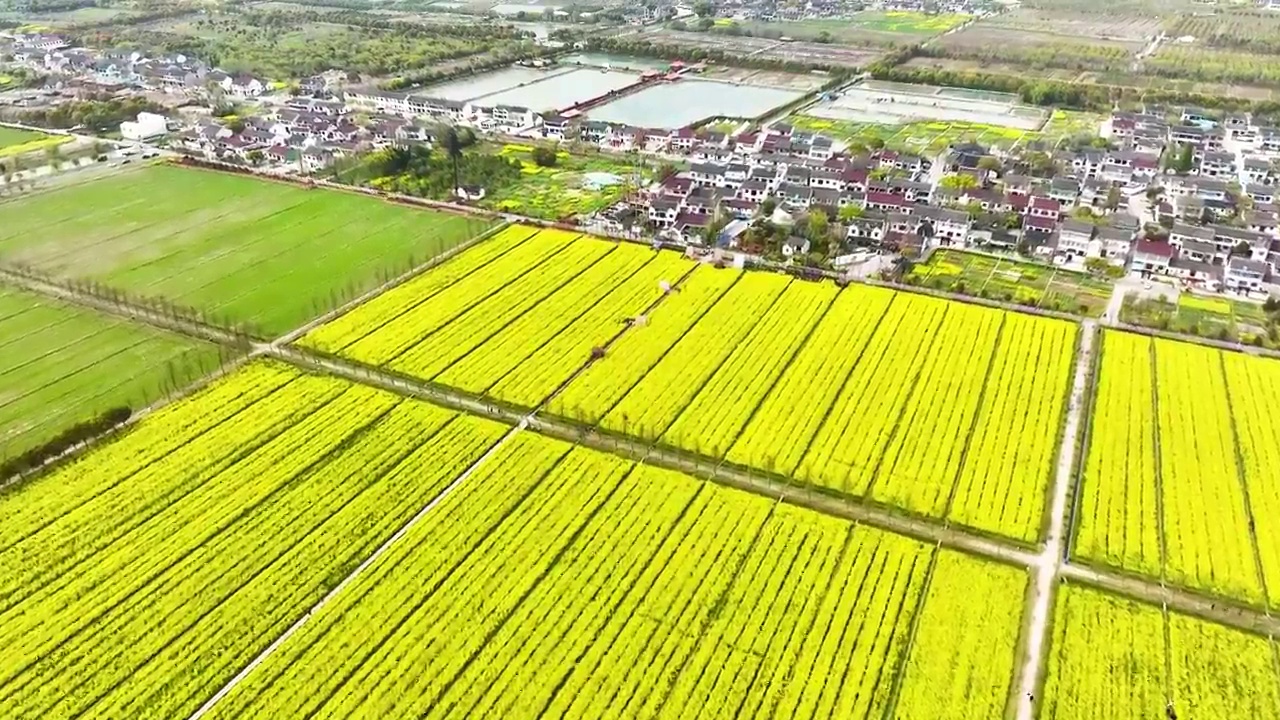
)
(145, 127)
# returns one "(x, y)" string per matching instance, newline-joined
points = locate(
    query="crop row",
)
(538, 376)
(513, 318)
(715, 417)
(436, 351)
(503, 334)
(1031, 355)
(215, 524)
(425, 317)
(1113, 657)
(369, 317)
(567, 583)
(1183, 443)
(650, 407)
(593, 393)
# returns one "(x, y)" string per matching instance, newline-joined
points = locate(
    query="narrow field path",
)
(1049, 561)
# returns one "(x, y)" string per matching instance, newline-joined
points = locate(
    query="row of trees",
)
(99, 115)
(285, 45)
(1251, 31)
(496, 58)
(1078, 56)
(635, 45)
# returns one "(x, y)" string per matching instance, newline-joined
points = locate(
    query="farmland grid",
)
(871, 514)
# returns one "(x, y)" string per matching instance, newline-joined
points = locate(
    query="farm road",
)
(1048, 563)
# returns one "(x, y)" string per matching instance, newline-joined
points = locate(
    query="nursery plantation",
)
(427, 465)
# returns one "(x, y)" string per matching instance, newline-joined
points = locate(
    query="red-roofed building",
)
(887, 202)
(1043, 207)
(1153, 256)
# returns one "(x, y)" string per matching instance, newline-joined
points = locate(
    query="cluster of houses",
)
(307, 134)
(122, 68)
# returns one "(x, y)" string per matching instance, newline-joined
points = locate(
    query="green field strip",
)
(366, 272)
(262, 252)
(278, 233)
(117, 381)
(65, 361)
(64, 330)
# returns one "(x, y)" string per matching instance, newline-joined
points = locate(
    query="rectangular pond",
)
(675, 105)
(475, 86)
(562, 91)
(896, 103)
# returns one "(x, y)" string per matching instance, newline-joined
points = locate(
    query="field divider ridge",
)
(1049, 563)
(1082, 446)
(354, 574)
